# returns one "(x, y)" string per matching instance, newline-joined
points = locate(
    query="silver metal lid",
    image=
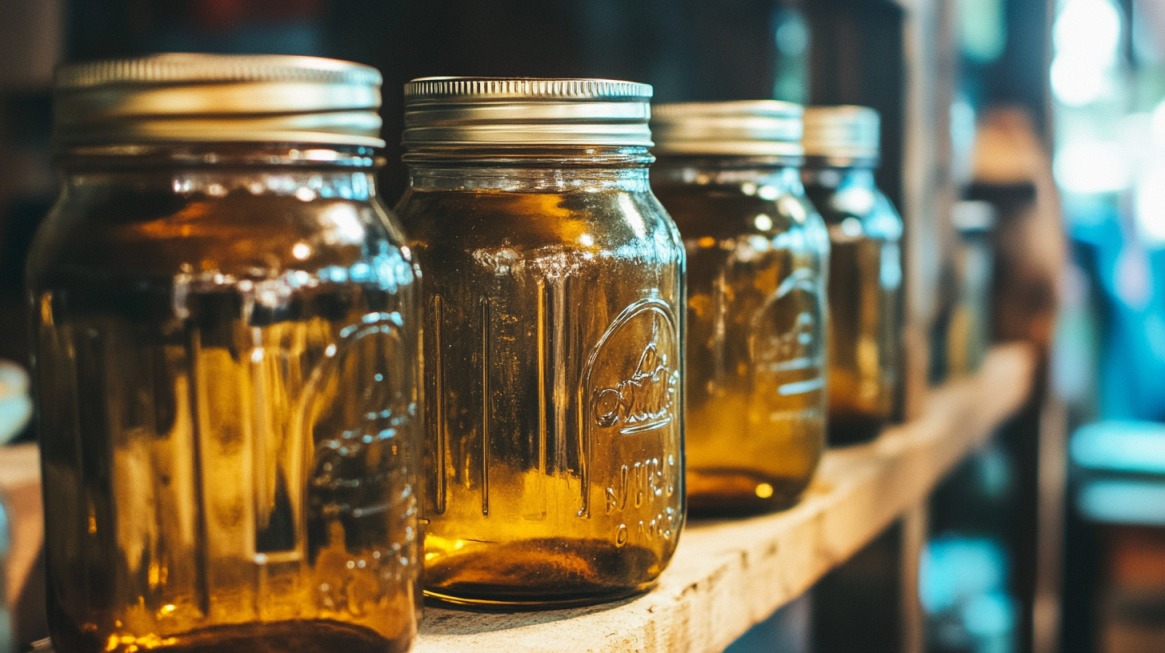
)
(218, 98)
(842, 132)
(486, 112)
(741, 128)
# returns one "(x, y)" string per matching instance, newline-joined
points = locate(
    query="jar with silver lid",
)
(553, 295)
(865, 283)
(226, 334)
(757, 255)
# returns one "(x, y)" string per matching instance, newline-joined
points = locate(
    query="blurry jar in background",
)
(757, 256)
(226, 337)
(553, 340)
(865, 269)
(969, 330)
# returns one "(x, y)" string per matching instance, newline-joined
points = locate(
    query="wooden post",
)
(913, 621)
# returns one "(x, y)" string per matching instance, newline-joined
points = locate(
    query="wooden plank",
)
(1053, 483)
(914, 532)
(928, 178)
(729, 575)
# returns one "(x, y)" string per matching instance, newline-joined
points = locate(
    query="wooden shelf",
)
(729, 575)
(726, 575)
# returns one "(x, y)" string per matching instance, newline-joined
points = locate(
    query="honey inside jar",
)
(757, 318)
(865, 270)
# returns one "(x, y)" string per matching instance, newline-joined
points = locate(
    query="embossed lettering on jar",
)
(552, 347)
(865, 286)
(226, 361)
(757, 251)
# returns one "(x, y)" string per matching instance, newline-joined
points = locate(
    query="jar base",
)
(736, 492)
(541, 574)
(533, 604)
(280, 637)
(851, 428)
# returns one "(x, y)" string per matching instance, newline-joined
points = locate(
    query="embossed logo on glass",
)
(642, 402)
(788, 338)
(631, 387)
(358, 409)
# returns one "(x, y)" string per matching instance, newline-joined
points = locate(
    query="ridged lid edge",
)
(728, 109)
(845, 131)
(750, 128)
(191, 68)
(530, 88)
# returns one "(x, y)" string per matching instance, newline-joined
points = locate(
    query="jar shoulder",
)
(146, 235)
(873, 212)
(532, 220)
(702, 211)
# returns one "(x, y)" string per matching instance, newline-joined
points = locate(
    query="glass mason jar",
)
(865, 278)
(968, 329)
(226, 332)
(552, 340)
(757, 255)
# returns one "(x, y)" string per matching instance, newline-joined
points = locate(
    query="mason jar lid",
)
(218, 98)
(479, 112)
(842, 132)
(740, 128)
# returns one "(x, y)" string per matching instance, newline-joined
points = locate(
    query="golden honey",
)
(757, 317)
(865, 287)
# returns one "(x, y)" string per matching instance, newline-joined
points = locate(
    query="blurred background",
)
(1024, 141)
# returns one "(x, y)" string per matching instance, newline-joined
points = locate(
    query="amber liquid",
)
(225, 450)
(862, 337)
(280, 637)
(755, 350)
(865, 280)
(554, 394)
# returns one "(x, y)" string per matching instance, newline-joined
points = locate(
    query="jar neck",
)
(557, 169)
(216, 169)
(838, 177)
(216, 155)
(729, 171)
